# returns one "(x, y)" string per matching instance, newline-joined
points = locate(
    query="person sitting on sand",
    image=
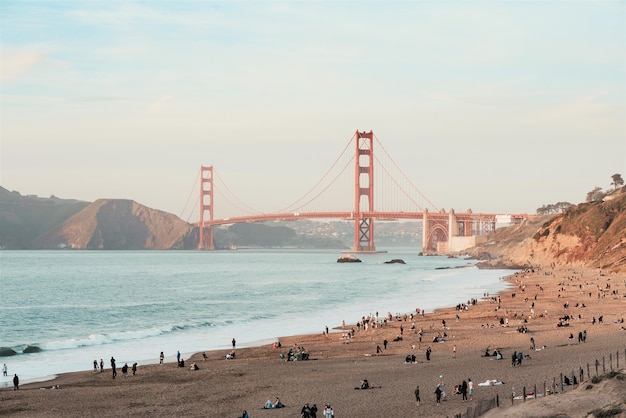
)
(244, 414)
(194, 366)
(364, 384)
(230, 355)
(268, 404)
(278, 403)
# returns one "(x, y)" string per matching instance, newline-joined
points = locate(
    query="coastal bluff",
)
(589, 235)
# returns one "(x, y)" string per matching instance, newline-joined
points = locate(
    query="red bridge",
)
(441, 231)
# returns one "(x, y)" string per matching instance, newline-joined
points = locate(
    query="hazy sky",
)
(497, 106)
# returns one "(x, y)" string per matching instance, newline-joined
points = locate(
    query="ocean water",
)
(72, 307)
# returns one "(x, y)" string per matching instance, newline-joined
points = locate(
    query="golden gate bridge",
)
(380, 192)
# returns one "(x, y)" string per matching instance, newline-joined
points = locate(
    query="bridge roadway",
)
(349, 216)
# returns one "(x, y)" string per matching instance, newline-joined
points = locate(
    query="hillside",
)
(589, 234)
(115, 224)
(24, 218)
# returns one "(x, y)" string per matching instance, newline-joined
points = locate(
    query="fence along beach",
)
(572, 297)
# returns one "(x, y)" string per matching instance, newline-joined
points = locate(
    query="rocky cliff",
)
(589, 234)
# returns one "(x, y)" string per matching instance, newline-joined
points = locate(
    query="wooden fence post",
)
(611, 360)
(535, 392)
(597, 365)
(603, 366)
(524, 394)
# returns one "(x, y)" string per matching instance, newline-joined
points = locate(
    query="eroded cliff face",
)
(116, 224)
(589, 234)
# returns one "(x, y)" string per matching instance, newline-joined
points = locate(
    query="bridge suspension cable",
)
(318, 189)
(427, 204)
(195, 204)
(235, 201)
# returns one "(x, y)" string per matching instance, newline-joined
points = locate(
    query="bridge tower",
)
(364, 193)
(206, 192)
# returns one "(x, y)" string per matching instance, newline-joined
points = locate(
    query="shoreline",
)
(189, 341)
(337, 365)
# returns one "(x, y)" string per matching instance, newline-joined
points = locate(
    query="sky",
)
(497, 106)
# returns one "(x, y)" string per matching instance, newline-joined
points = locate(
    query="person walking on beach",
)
(95, 365)
(134, 368)
(178, 357)
(161, 357)
(125, 370)
(470, 388)
(428, 350)
(16, 382)
(113, 367)
(417, 396)
(5, 369)
(234, 342)
(101, 365)
(328, 411)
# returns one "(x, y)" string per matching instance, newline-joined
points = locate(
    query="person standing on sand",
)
(178, 357)
(95, 365)
(438, 395)
(16, 382)
(464, 390)
(134, 368)
(5, 369)
(101, 365)
(470, 388)
(328, 411)
(113, 367)
(161, 357)
(234, 342)
(417, 396)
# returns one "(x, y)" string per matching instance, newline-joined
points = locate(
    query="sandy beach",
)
(535, 301)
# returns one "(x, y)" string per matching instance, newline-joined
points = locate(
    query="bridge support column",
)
(364, 192)
(453, 226)
(425, 231)
(206, 192)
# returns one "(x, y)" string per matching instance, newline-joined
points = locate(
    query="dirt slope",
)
(590, 234)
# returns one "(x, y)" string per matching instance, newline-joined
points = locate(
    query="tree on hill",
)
(553, 208)
(595, 195)
(618, 181)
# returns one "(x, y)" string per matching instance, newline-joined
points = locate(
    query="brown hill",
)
(115, 224)
(24, 218)
(589, 234)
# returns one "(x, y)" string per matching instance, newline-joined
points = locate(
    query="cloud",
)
(15, 63)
